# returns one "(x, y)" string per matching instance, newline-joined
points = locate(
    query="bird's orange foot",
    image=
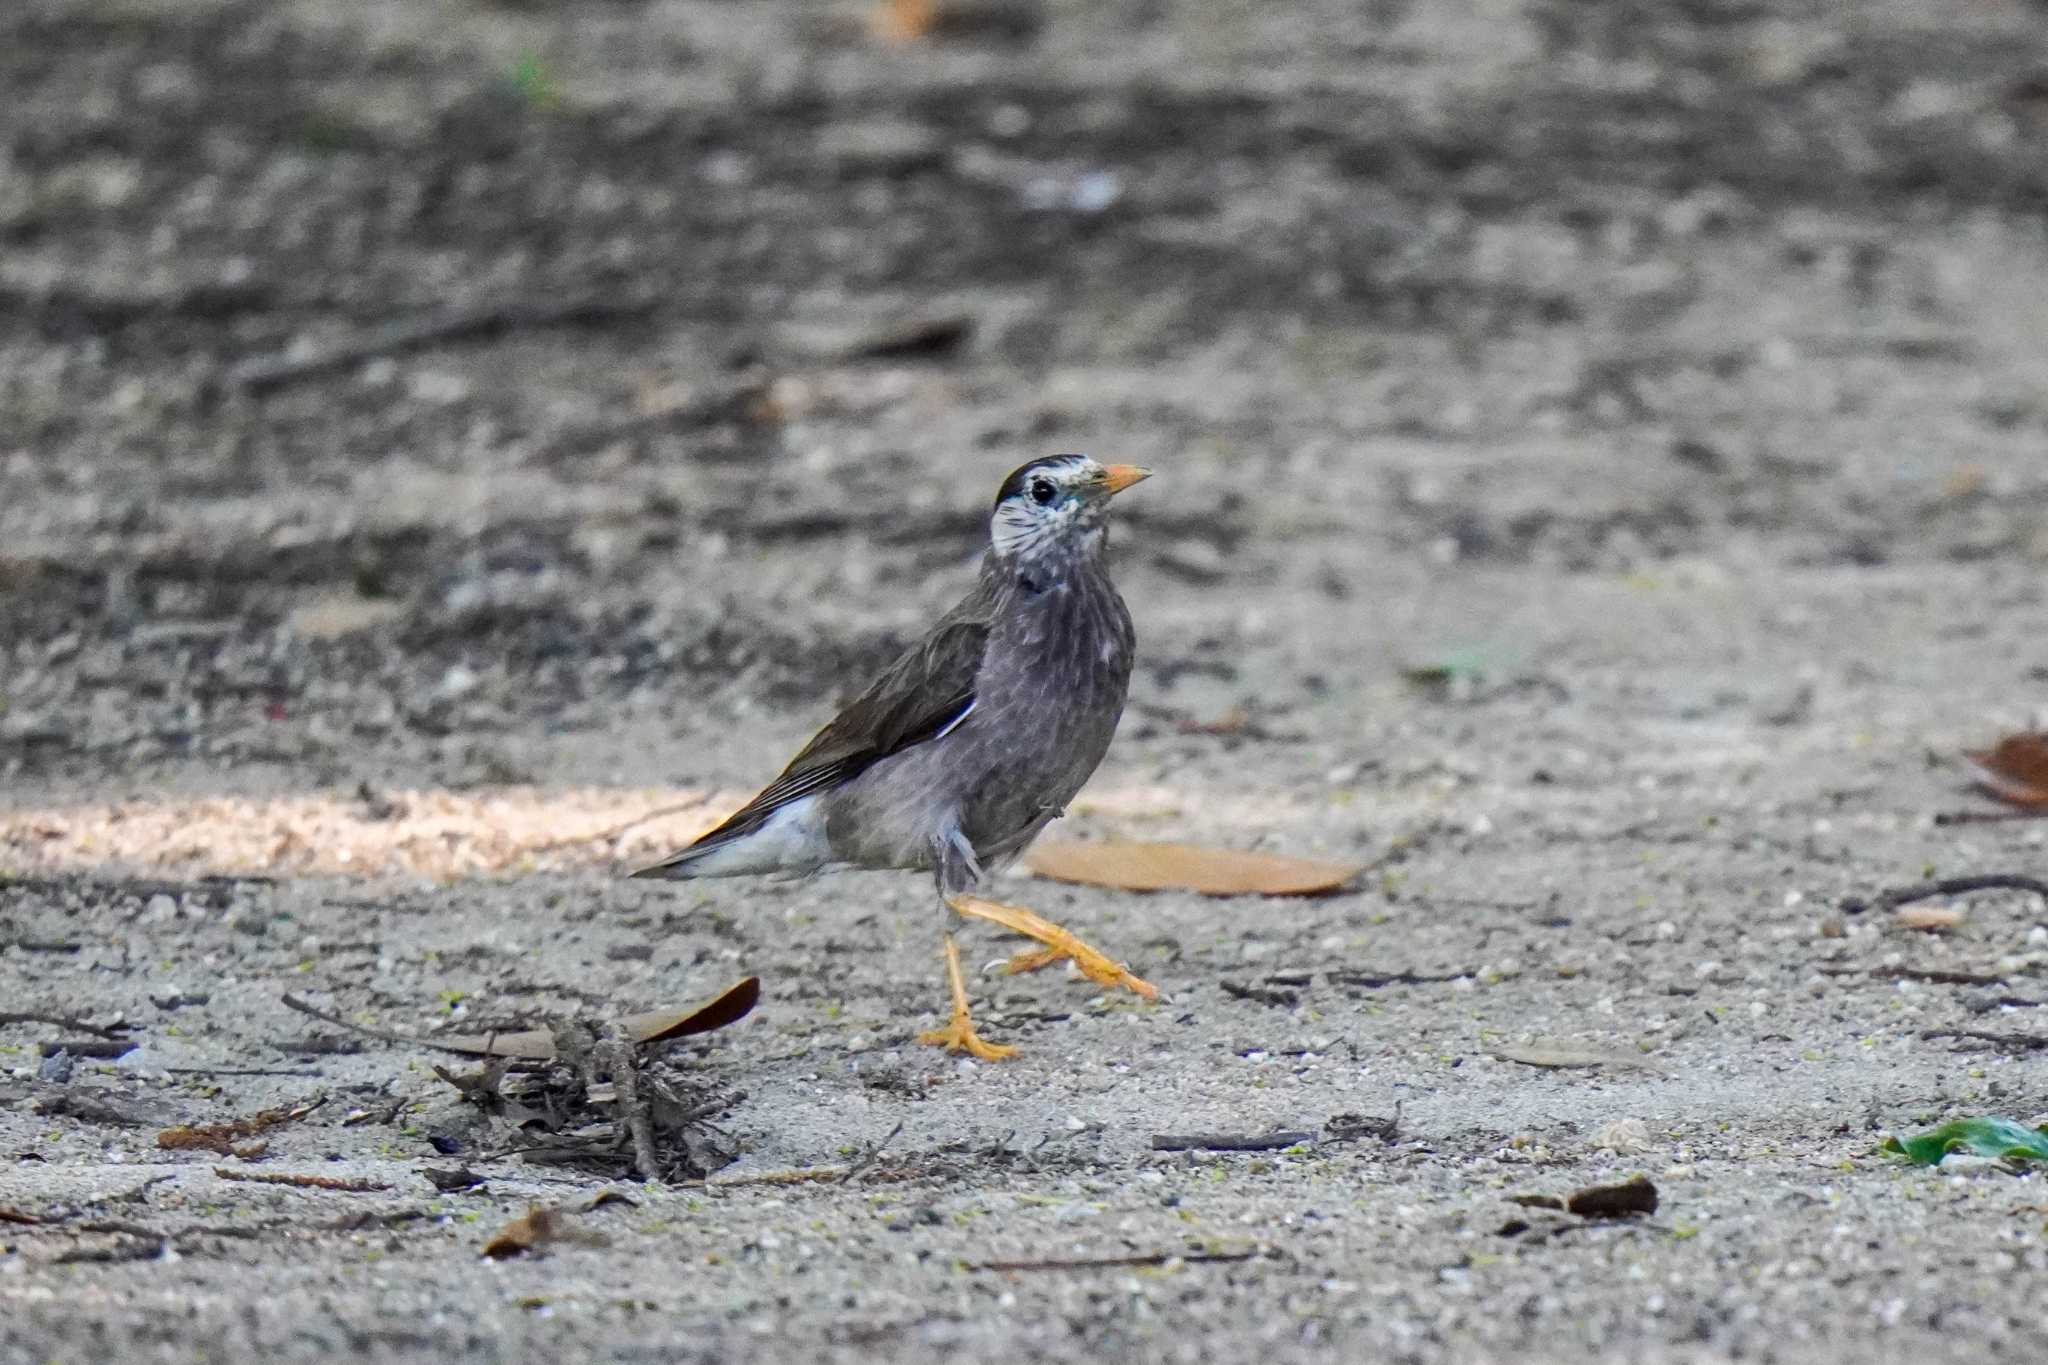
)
(959, 1035)
(1059, 943)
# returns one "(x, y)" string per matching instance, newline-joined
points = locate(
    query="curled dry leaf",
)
(1929, 919)
(2015, 770)
(736, 1004)
(538, 1227)
(1188, 867)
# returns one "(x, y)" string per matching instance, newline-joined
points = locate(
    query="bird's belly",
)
(892, 813)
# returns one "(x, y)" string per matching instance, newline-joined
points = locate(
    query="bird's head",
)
(1057, 506)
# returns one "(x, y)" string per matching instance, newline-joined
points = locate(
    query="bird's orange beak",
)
(1117, 477)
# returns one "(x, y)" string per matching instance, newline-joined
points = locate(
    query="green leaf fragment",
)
(1974, 1137)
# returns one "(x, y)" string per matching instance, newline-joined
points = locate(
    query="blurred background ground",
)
(1600, 458)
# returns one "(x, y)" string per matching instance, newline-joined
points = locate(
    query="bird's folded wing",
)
(923, 694)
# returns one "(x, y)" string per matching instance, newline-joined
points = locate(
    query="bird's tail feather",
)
(676, 866)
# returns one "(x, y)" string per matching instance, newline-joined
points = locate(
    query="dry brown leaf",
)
(2015, 770)
(1929, 919)
(736, 1004)
(1626, 1200)
(536, 1228)
(902, 21)
(1629, 1199)
(657, 1027)
(219, 1137)
(1188, 867)
(8, 1215)
(1235, 721)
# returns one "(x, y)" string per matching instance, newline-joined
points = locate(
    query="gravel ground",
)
(1600, 464)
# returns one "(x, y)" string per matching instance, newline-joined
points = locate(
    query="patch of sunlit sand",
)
(494, 832)
(444, 835)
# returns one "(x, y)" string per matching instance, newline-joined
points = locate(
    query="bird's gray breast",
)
(1047, 701)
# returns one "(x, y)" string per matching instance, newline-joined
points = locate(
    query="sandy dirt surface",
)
(1601, 449)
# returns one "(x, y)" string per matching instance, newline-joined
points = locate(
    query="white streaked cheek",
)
(1016, 531)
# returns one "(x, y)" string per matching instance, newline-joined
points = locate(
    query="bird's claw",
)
(959, 1036)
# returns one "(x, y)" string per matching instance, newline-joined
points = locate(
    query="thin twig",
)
(614, 1055)
(1987, 817)
(1373, 980)
(802, 1176)
(88, 1048)
(1934, 975)
(1945, 886)
(368, 1031)
(1125, 1262)
(240, 1071)
(2024, 1042)
(305, 1182)
(260, 374)
(1230, 1142)
(142, 1246)
(873, 1152)
(111, 1032)
(613, 833)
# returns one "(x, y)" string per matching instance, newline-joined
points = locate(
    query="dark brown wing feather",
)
(927, 689)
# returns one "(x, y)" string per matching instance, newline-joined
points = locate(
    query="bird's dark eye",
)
(1042, 491)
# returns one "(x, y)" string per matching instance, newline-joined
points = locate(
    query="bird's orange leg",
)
(959, 1036)
(1059, 943)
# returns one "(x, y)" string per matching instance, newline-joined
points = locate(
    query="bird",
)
(972, 741)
